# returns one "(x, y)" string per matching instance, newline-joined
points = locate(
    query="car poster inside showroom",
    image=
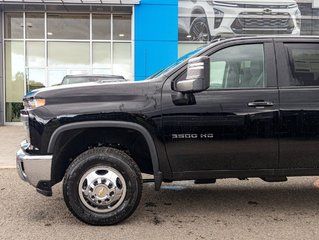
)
(201, 21)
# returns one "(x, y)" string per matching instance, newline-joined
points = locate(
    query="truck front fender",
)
(113, 124)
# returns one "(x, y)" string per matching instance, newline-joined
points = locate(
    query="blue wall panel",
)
(152, 56)
(160, 2)
(156, 36)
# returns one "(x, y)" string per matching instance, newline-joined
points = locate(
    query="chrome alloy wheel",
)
(102, 189)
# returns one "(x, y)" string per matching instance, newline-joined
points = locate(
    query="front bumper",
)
(34, 169)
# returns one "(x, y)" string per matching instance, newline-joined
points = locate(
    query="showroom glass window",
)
(42, 47)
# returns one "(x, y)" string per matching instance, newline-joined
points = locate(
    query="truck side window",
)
(239, 66)
(304, 64)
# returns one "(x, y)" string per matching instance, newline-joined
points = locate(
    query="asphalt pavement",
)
(229, 209)
(10, 139)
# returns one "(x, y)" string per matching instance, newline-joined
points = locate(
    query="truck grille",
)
(263, 23)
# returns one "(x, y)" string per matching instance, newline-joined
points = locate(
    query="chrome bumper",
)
(33, 169)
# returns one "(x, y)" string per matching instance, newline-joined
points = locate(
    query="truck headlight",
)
(24, 117)
(34, 103)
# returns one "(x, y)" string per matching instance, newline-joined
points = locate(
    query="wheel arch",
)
(113, 124)
(197, 10)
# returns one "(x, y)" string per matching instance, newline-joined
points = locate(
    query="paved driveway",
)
(229, 209)
(10, 139)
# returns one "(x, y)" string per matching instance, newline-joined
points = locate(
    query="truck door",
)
(299, 108)
(233, 125)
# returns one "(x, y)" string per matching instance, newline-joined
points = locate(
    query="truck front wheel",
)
(102, 186)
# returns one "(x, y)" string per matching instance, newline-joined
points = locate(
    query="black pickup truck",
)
(236, 108)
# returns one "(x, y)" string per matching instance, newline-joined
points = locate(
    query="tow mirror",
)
(198, 76)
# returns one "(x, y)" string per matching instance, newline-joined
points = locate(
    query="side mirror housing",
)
(198, 76)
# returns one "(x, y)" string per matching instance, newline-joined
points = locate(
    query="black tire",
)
(102, 157)
(199, 29)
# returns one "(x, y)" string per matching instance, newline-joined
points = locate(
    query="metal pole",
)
(2, 100)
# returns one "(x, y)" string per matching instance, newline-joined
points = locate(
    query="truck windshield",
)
(178, 61)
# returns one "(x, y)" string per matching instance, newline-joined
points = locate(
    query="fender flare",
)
(197, 10)
(113, 124)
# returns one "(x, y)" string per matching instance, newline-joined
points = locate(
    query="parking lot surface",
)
(10, 139)
(230, 209)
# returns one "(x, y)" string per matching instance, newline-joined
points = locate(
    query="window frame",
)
(271, 81)
(52, 21)
(227, 65)
(284, 62)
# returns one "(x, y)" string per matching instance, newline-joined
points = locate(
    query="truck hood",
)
(89, 89)
(94, 97)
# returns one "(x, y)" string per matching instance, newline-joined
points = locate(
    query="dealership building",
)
(41, 41)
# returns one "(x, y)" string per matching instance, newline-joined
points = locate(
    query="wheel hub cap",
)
(102, 189)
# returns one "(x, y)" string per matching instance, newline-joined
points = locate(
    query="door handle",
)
(260, 104)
